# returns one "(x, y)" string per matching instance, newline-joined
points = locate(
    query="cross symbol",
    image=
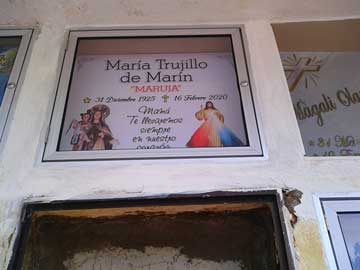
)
(298, 70)
(165, 98)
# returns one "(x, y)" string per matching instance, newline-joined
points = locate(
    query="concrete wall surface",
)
(23, 176)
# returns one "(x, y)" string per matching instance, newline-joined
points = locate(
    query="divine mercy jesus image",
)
(212, 132)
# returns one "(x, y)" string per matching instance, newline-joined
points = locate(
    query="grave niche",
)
(186, 234)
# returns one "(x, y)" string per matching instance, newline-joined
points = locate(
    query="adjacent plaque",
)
(8, 51)
(14, 45)
(325, 92)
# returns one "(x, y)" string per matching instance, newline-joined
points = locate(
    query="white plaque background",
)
(90, 79)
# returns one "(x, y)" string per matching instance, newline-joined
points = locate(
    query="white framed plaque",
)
(14, 46)
(170, 93)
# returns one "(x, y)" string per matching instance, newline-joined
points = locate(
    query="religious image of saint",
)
(212, 132)
(80, 140)
(92, 132)
(100, 134)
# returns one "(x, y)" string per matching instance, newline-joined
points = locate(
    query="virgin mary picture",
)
(92, 132)
(212, 132)
(100, 134)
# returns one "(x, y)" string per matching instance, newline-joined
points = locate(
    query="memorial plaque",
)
(8, 51)
(14, 45)
(325, 92)
(159, 95)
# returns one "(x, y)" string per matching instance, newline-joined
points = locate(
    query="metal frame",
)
(227, 197)
(51, 152)
(15, 78)
(327, 206)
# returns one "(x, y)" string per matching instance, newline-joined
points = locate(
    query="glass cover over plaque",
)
(153, 93)
(8, 51)
(349, 223)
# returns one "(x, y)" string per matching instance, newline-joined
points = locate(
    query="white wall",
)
(22, 176)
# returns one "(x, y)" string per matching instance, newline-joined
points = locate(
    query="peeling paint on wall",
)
(292, 198)
(8, 221)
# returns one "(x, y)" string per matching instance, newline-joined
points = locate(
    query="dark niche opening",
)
(212, 232)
